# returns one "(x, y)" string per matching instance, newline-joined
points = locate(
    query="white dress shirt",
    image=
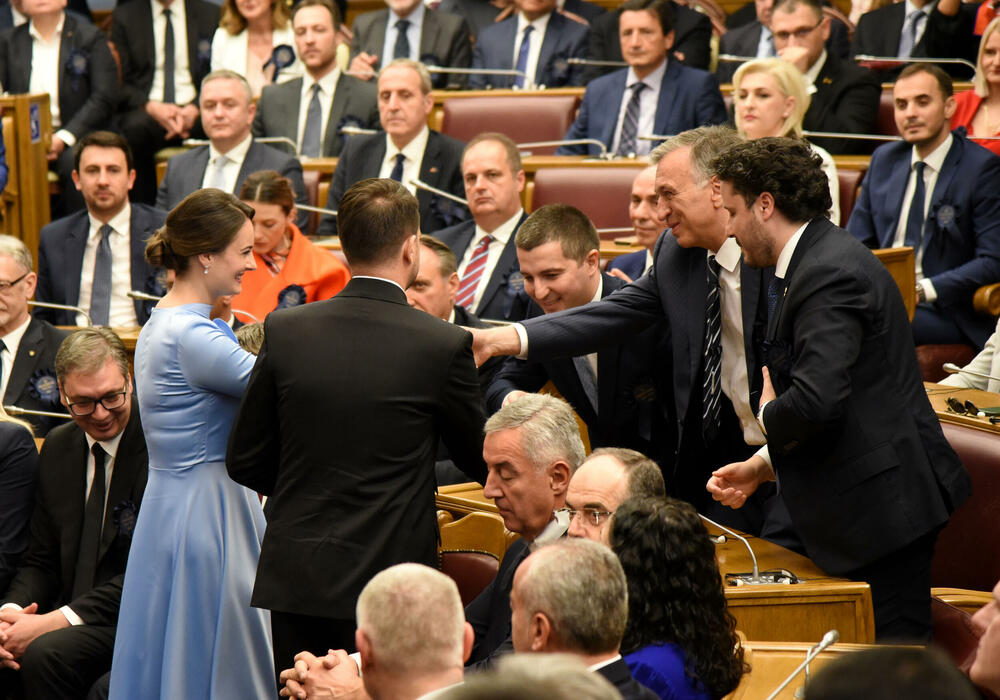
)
(414, 156)
(765, 45)
(45, 70)
(231, 168)
(122, 309)
(501, 236)
(813, 73)
(12, 341)
(184, 88)
(934, 162)
(327, 91)
(413, 33)
(648, 100)
(534, 48)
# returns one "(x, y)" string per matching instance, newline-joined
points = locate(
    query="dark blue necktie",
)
(397, 169)
(402, 48)
(915, 217)
(168, 59)
(522, 56)
(711, 397)
(93, 522)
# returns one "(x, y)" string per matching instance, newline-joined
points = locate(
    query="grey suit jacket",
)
(353, 100)
(444, 40)
(186, 171)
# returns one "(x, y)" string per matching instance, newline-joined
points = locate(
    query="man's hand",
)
(333, 675)
(489, 342)
(513, 396)
(168, 116)
(798, 56)
(363, 66)
(58, 146)
(22, 627)
(619, 274)
(188, 116)
(732, 484)
(767, 390)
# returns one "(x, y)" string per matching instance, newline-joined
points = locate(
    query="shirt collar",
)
(815, 68)
(118, 223)
(504, 231)
(607, 662)
(327, 83)
(652, 80)
(555, 529)
(382, 279)
(414, 150)
(110, 445)
(176, 8)
(451, 316)
(935, 159)
(236, 155)
(785, 256)
(55, 36)
(728, 255)
(600, 288)
(539, 24)
(926, 9)
(13, 339)
(415, 18)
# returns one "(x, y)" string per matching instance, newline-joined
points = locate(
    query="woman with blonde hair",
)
(770, 99)
(973, 107)
(255, 39)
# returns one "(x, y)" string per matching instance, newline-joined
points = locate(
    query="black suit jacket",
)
(444, 41)
(441, 167)
(487, 370)
(60, 259)
(18, 477)
(132, 35)
(692, 36)
(478, 14)
(846, 100)
(489, 613)
(839, 353)
(345, 450)
(620, 677)
(499, 301)
(354, 101)
(32, 382)
(743, 41)
(47, 572)
(630, 375)
(88, 76)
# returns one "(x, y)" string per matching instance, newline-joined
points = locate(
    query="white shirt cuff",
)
(760, 416)
(66, 137)
(357, 660)
(522, 335)
(68, 613)
(765, 455)
(7, 606)
(929, 292)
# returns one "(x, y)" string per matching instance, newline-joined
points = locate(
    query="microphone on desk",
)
(352, 130)
(604, 155)
(868, 58)
(755, 578)
(15, 411)
(62, 307)
(142, 296)
(829, 639)
(421, 185)
(952, 368)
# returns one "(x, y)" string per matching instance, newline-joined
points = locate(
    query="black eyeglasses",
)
(5, 286)
(799, 34)
(589, 515)
(967, 408)
(88, 406)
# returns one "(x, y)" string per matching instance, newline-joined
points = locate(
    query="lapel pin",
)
(827, 81)
(433, 169)
(31, 353)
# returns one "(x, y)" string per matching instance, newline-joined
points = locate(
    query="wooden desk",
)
(939, 393)
(772, 662)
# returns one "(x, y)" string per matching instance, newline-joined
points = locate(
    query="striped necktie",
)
(473, 273)
(711, 397)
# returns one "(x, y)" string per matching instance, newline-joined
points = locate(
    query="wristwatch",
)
(921, 294)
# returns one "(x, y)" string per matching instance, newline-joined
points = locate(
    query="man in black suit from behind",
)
(407, 150)
(101, 248)
(159, 92)
(865, 471)
(345, 450)
(58, 615)
(571, 597)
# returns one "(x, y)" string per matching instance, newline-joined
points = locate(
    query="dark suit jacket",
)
(278, 111)
(358, 435)
(846, 100)
(478, 14)
(879, 32)
(743, 41)
(47, 572)
(629, 412)
(132, 35)
(620, 677)
(440, 167)
(961, 247)
(675, 285)
(18, 476)
(632, 264)
(32, 382)
(692, 38)
(444, 41)
(499, 300)
(489, 613)
(88, 76)
(185, 173)
(564, 39)
(487, 370)
(60, 259)
(587, 10)
(688, 98)
(840, 352)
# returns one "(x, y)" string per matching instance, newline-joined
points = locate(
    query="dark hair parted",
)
(446, 258)
(675, 591)
(936, 72)
(102, 139)
(563, 223)
(206, 221)
(663, 9)
(269, 187)
(330, 7)
(375, 216)
(786, 168)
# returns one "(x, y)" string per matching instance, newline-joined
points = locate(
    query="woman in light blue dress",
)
(186, 628)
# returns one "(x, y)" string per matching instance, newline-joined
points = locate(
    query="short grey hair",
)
(425, 77)
(706, 143)
(580, 586)
(643, 476)
(14, 248)
(226, 74)
(535, 677)
(87, 350)
(395, 609)
(549, 431)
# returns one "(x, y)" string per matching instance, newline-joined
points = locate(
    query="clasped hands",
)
(19, 628)
(332, 676)
(176, 120)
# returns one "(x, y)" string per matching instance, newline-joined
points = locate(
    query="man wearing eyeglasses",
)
(57, 618)
(844, 96)
(29, 345)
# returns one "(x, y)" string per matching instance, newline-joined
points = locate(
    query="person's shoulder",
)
(498, 30)
(372, 17)
(690, 74)
(144, 213)
(14, 435)
(84, 29)
(188, 156)
(888, 152)
(607, 82)
(447, 143)
(274, 158)
(451, 234)
(973, 156)
(279, 92)
(202, 9)
(57, 440)
(63, 226)
(738, 34)
(566, 27)
(51, 334)
(447, 22)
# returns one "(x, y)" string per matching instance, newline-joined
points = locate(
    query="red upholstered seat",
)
(850, 183)
(885, 123)
(471, 571)
(524, 119)
(932, 357)
(602, 193)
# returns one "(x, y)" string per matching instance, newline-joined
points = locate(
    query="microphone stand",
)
(62, 307)
(604, 155)
(15, 411)
(829, 638)
(420, 185)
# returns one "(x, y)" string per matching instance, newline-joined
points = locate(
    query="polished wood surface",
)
(939, 393)
(27, 183)
(899, 263)
(772, 662)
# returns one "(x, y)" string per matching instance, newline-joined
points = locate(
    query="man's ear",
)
(765, 203)
(716, 184)
(559, 476)
(364, 650)
(541, 632)
(468, 639)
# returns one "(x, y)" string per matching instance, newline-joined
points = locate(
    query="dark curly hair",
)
(786, 168)
(675, 591)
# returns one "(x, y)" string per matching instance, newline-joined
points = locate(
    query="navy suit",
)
(962, 230)
(629, 412)
(32, 382)
(441, 167)
(18, 476)
(688, 98)
(60, 260)
(489, 613)
(499, 301)
(564, 39)
(632, 264)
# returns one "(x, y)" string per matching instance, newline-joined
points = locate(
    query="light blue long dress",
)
(186, 628)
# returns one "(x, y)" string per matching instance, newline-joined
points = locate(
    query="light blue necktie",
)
(522, 56)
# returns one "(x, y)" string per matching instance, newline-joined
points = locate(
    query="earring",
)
(206, 269)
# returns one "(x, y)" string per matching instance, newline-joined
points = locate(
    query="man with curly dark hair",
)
(864, 469)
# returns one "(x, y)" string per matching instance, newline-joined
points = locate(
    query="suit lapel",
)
(430, 171)
(192, 42)
(248, 167)
(137, 257)
(506, 262)
(76, 242)
(378, 36)
(899, 169)
(20, 79)
(76, 476)
(144, 26)
(428, 36)
(507, 43)
(550, 44)
(27, 358)
(196, 175)
(947, 174)
(128, 460)
(611, 120)
(341, 98)
(667, 100)
(894, 31)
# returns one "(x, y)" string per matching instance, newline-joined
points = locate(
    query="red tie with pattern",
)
(473, 273)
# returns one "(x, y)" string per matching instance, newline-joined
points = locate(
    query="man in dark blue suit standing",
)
(939, 193)
(93, 258)
(654, 95)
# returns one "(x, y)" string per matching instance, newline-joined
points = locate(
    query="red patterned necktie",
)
(473, 273)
